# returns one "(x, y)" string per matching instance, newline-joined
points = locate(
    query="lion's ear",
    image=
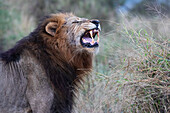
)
(51, 28)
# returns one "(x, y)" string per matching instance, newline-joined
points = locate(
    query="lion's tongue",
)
(87, 40)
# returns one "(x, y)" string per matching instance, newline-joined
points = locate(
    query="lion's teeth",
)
(91, 34)
(84, 40)
(93, 40)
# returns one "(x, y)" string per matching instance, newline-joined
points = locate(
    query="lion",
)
(41, 72)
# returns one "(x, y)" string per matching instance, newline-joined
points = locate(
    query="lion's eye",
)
(79, 21)
(76, 21)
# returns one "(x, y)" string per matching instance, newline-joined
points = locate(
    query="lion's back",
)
(12, 89)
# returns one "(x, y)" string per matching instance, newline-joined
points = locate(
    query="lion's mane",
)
(42, 72)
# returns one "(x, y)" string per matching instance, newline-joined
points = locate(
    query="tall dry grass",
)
(132, 70)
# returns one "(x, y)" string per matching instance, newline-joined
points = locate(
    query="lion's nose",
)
(96, 22)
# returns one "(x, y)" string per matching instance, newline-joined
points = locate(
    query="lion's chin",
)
(92, 50)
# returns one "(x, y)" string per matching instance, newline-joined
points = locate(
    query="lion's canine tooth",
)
(93, 40)
(91, 34)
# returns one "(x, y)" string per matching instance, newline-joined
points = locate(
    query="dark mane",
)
(61, 74)
(64, 69)
(13, 54)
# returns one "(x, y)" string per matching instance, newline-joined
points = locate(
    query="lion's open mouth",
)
(88, 38)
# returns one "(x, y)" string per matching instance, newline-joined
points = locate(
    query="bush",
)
(131, 71)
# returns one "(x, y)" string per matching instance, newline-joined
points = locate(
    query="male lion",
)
(41, 72)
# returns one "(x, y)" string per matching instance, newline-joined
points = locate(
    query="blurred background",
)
(132, 70)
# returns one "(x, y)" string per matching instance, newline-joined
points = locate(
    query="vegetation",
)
(132, 70)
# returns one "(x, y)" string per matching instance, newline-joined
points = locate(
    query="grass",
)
(132, 70)
(15, 24)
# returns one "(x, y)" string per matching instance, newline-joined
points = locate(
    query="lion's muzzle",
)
(90, 38)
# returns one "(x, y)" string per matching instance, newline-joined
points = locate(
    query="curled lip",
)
(88, 39)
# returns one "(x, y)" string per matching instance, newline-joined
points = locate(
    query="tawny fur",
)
(40, 73)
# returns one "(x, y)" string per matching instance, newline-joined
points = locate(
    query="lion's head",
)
(67, 31)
